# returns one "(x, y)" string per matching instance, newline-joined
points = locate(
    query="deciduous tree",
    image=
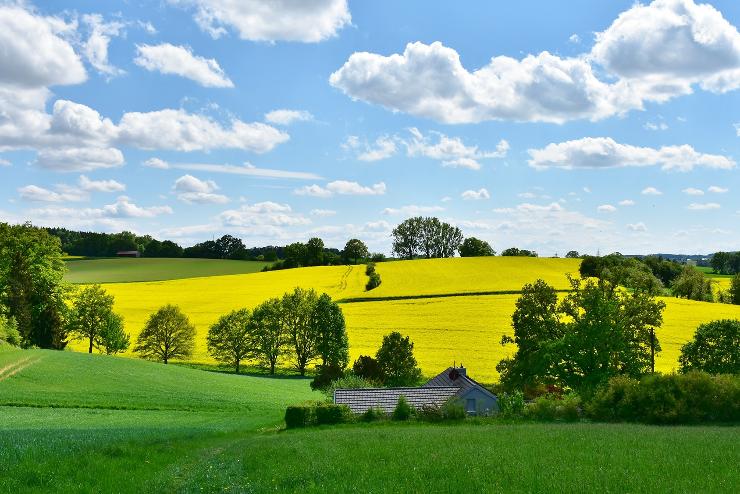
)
(168, 335)
(715, 348)
(473, 247)
(112, 338)
(90, 315)
(354, 250)
(296, 310)
(397, 362)
(229, 340)
(269, 336)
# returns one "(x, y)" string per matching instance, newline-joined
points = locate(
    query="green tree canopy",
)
(269, 336)
(473, 247)
(168, 334)
(427, 237)
(112, 338)
(31, 284)
(332, 346)
(315, 252)
(397, 362)
(296, 312)
(735, 289)
(693, 285)
(715, 348)
(90, 314)
(354, 250)
(597, 331)
(229, 340)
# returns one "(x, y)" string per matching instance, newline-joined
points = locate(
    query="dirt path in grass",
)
(14, 368)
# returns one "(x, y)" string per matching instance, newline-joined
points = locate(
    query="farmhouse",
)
(452, 384)
(128, 253)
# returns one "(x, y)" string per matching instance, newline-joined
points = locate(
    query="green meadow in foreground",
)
(122, 270)
(71, 422)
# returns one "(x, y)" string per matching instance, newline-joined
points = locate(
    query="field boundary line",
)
(353, 300)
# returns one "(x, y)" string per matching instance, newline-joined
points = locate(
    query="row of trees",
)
(726, 262)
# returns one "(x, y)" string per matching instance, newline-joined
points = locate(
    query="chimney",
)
(461, 370)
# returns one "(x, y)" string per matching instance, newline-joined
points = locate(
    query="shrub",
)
(373, 282)
(451, 409)
(403, 410)
(370, 268)
(690, 398)
(349, 381)
(373, 414)
(299, 416)
(326, 375)
(9, 331)
(553, 407)
(511, 405)
(329, 414)
(368, 368)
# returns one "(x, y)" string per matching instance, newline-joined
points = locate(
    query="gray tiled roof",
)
(458, 379)
(360, 400)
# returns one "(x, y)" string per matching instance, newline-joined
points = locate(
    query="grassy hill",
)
(122, 270)
(91, 423)
(437, 302)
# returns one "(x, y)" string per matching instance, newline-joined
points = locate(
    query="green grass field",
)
(123, 270)
(82, 423)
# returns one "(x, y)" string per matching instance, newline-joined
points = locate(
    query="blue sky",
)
(545, 125)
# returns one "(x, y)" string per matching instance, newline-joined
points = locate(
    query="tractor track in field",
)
(14, 368)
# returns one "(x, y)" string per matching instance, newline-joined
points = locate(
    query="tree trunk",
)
(652, 351)
(91, 345)
(165, 359)
(237, 366)
(272, 368)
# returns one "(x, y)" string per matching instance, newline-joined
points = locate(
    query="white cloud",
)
(191, 190)
(412, 210)
(79, 159)
(670, 44)
(649, 54)
(246, 169)
(606, 208)
(706, 206)
(527, 195)
(307, 21)
(476, 194)
(430, 81)
(180, 60)
(451, 151)
(637, 227)
(182, 131)
(100, 185)
(384, 147)
(96, 46)
(4, 162)
(32, 54)
(156, 163)
(655, 126)
(342, 187)
(691, 191)
(40, 194)
(627, 202)
(122, 208)
(605, 152)
(651, 191)
(717, 190)
(574, 38)
(266, 213)
(323, 213)
(287, 117)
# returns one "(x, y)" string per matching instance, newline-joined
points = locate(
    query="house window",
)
(470, 407)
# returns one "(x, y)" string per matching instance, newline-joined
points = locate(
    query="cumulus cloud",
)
(156, 163)
(308, 21)
(180, 60)
(714, 189)
(605, 152)
(287, 117)
(79, 159)
(606, 208)
(183, 131)
(384, 147)
(705, 206)
(266, 213)
(40, 194)
(96, 46)
(692, 191)
(342, 187)
(100, 185)
(122, 208)
(451, 151)
(191, 190)
(33, 54)
(650, 53)
(412, 210)
(627, 202)
(651, 191)
(637, 227)
(475, 195)
(323, 213)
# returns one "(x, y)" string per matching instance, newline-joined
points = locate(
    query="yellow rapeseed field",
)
(464, 329)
